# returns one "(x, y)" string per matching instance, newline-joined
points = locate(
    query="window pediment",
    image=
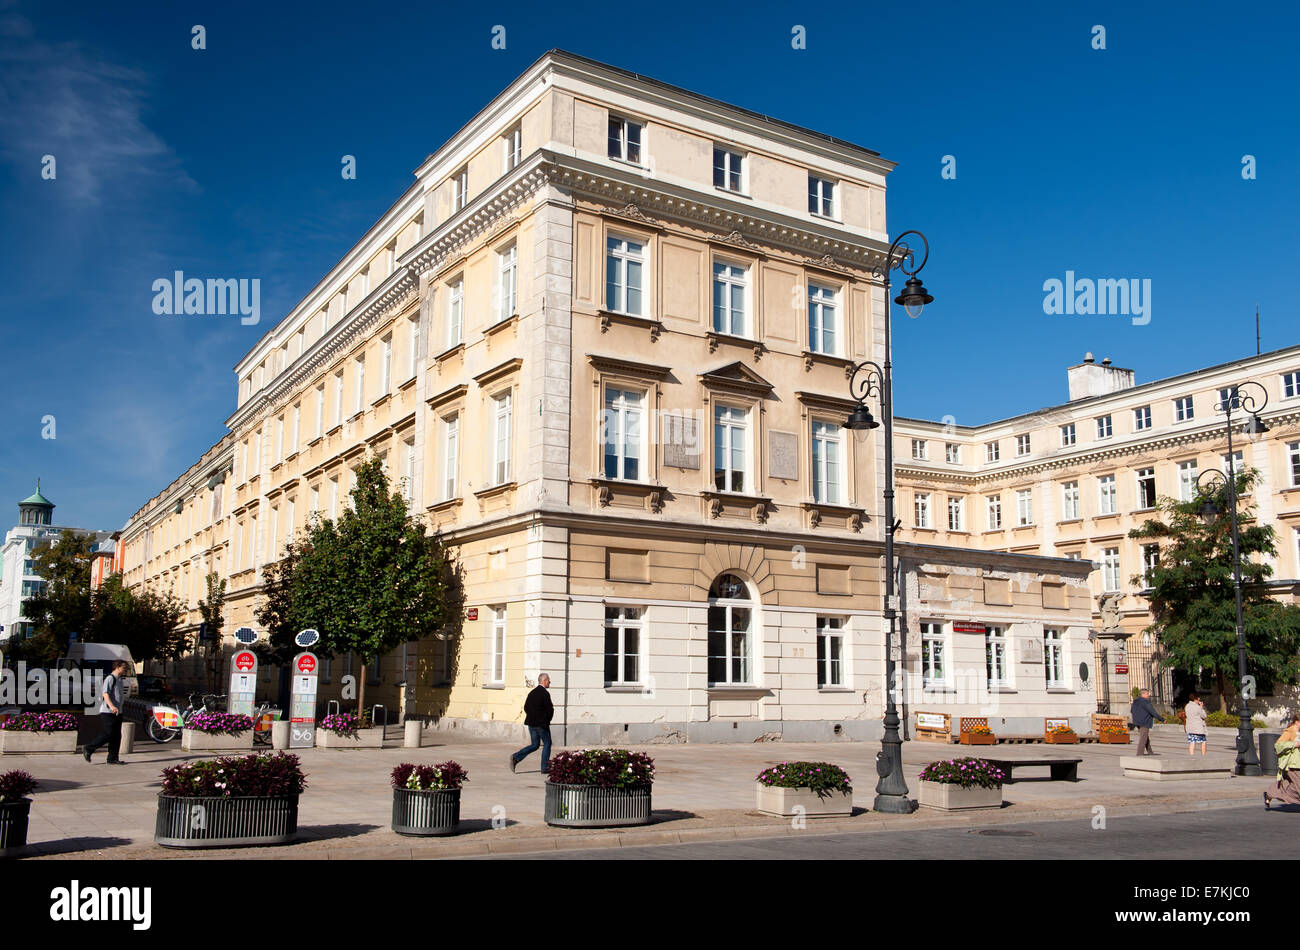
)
(622, 367)
(737, 377)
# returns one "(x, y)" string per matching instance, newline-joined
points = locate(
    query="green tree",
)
(1192, 598)
(146, 621)
(63, 605)
(277, 614)
(212, 611)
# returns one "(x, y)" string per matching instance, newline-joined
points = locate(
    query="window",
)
(455, 311)
(386, 367)
(359, 402)
(275, 524)
(1141, 418)
(624, 262)
(501, 445)
(1104, 427)
(1024, 507)
(459, 190)
(730, 284)
(1228, 395)
(507, 274)
(1054, 658)
(334, 497)
(933, 648)
(727, 169)
(826, 462)
(289, 520)
(1183, 410)
(821, 196)
(450, 454)
(730, 448)
(1234, 462)
(1187, 480)
(320, 410)
(952, 453)
(338, 397)
(497, 647)
(1110, 570)
(408, 470)
(830, 652)
(514, 148)
(1150, 560)
(1067, 436)
(995, 656)
(1022, 444)
(992, 451)
(279, 439)
(414, 336)
(921, 509)
(624, 140)
(1106, 501)
(821, 320)
(1146, 488)
(622, 645)
(1070, 501)
(994, 511)
(918, 449)
(237, 561)
(314, 499)
(731, 615)
(217, 491)
(621, 425)
(1293, 457)
(293, 431)
(956, 514)
(1290, 385)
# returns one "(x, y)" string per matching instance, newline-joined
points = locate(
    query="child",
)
(1195, 712)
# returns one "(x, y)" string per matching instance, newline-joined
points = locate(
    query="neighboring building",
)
(602, 343)
(1072, 480)
(18, 577)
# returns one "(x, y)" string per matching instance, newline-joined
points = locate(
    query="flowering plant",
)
(220, 722)
(823, 778)
(967, 773)
(228, 776)
(1060, 731)
(606, 768)
(1113, 729)
(16, 785)
(427, 778)
(345, 724)
(40, 722)
(979, 731)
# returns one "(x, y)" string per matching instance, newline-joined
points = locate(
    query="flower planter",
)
(194, 741)
(13, 826)
(1071, 739)
(362, 739)
(426, 813)
(20, 742)
(225, 822)
(590, 806)
(782, 802)
(944, 796)
(969, 738)
(1112, 739)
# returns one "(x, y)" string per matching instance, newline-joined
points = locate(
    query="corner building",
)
(603, 343)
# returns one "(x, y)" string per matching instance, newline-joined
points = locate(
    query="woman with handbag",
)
(1287, 789)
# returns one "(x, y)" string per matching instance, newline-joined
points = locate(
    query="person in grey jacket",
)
(1144, 716)
(1195, 718)
(110, 715)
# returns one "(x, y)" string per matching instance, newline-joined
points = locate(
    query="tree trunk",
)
(1222, 684)
(361, 692)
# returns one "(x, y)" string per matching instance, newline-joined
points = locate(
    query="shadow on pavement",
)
(73, 845)
(659, 816)
(324, 832)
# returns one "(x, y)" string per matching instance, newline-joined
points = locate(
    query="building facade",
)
(603, 344)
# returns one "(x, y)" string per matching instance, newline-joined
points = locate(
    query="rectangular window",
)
(290, 520)
(933, 650)
(730, 288)
(334, 497)
(293, 431)
(1024, 507)
(408, 471)
(275, 526)
(727, 168)
(320, 410)
(1106, 500)
(918, 449)
(279, 440)
(729, 642)
(1150, 560)
(1187, 480)
(992, 451)
(1054, 658)
(624, 266)
(830, 652)
(624, 140)
(1022, 444)
(1141, 418)
(822, 322)
(1234, 462)
(995, 656)
(826, 462)
(507, 271)
(952, 453)
(450, 454)
(497, 647)
(514, 148)
(730, 449)
(501, 445)
(1110, 570)
(359, 402)
(994, 511)
(821, 196)
(1227, 395)
(622, 646)
(1146, 488)
(460, 190)
(314, 499)
(621, 436)
(1290, 385)
(455, 311)
(338, 397)
(413, 326)
(956, 514)
(386, 367)
(1293, 459)
(1104, 427)
(1183, 409)
(921, 509)
(1067, 435)
(1070, 501)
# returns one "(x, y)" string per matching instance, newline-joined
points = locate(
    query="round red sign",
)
(306, 663)
(245, 661)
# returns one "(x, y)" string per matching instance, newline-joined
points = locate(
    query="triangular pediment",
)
(736, 376)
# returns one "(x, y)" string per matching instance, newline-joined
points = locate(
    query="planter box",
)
(194, 741)
(364, 739)
(14, 741)
(1109, 739)
(782, 802)
(225, 822)
(13, 826)
(589, 806)
(944, 797)
(426, 813)
(1072, 739)
(968, 738)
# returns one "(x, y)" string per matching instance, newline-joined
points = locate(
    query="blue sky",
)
(1119, 163)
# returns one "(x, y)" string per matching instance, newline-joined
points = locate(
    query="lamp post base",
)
(1247, 760)
(894, 805)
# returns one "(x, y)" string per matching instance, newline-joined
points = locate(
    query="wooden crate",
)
(929, 730)
(964, 726)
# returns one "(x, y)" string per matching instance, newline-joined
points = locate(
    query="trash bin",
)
(1267, 757)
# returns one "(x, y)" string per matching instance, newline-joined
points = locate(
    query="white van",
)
(101, 657)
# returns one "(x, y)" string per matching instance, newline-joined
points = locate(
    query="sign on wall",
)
(1031, 650)
(968, 626)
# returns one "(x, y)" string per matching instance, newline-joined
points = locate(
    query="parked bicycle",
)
(167, 722)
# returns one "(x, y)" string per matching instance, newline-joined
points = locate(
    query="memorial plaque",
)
(783, 455)
(681, 440)
(1031, 650)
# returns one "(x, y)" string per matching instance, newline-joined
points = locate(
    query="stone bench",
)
(1062, 769)
(1168, 768)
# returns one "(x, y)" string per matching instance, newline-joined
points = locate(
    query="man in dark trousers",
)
(538, 711)
(110, 714)
(1144, 716)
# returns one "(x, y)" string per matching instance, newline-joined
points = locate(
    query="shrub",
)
(40, 722)
(822, 777)
(220, 723)
(345, 724)
(605, 768)
(968, 773)
(16, 785)
(228, 776)
(425, 778)
(1228, 720)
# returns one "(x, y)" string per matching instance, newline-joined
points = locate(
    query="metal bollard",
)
(128, 738)
(280, 732)
(412, 736)
(374, 719)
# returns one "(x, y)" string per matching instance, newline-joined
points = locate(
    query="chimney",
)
(1091, 378)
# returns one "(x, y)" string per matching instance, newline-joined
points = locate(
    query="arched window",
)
(731, 632)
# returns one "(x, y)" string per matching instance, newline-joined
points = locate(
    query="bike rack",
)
(332, 708)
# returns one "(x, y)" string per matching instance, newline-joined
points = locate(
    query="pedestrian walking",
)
(110, 716)
(1195, 718)
(1287, 747)
(1143, 715)
(538, 711)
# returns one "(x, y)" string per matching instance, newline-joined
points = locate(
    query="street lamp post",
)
(870, 379)
(1252, 402)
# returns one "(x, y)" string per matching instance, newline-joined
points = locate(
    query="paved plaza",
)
(702, 793)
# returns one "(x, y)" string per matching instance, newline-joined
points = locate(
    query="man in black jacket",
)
(1144, 716)
(538, 711)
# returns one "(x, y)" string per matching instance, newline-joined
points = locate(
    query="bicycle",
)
(167, 722)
